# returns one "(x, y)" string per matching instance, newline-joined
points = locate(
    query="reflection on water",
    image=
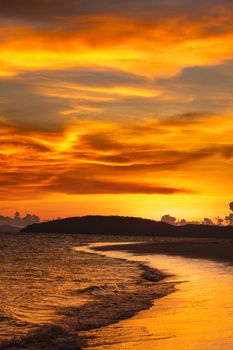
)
(43, 278)
(38, 276)
(198, 316)
(45, 281)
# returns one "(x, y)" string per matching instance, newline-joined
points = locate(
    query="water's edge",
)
(119, 303)
(187, 319)
(150, 285)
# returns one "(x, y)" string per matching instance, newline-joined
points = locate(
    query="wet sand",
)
(142, 284)
(56, 291)
(132, 277)
(213, 249)
(199, 315)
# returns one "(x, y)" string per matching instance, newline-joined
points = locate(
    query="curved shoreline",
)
(123, 286)
(123, 302)
(119, 303)
(187, 319)
(220, 250)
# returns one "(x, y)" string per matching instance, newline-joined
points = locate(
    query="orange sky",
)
(116, 108)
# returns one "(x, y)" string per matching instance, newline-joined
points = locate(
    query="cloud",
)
(208, 89)
(18, 220)
(51, 99)
(185, 119)
(73, 183)
(89, 76)
(100, 157)
(53, 8)
(20, 103)
(92, 103)
(81, 162)
(132, 36)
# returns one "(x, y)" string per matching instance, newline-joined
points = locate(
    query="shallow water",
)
(44, 281)
(38, 277)
(199, 315)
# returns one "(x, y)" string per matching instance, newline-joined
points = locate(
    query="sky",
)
(116, 107)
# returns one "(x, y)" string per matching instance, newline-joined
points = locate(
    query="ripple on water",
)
(44, 281)
(199, 315)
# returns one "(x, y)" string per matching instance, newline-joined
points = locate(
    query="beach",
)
(216, 249)
(116, 155)
(187, 319)
(110, 292)
(55, 290)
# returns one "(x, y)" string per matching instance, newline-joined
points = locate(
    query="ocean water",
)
(54, 287)
(46, 281)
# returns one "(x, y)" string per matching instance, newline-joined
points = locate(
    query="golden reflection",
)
(197, 316)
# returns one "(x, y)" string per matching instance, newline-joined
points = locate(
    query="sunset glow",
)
(116, 108)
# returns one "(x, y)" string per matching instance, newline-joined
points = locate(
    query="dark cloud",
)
(226, 151)
(30, 145)
(35, 170)
(98, 162)
(208, 78)
(54, 8)
(208, 87)
(101, 141)
(21, 103)
(184, 119)
(74, 184)
(28, 99)
(125, 156)
(37, 99)
(86, 76)
(19, 220)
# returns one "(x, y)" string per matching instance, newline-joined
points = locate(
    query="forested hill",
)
(118, 225)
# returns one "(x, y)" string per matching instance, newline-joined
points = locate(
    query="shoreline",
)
(188, 314)
(124, 302)
(133, 287)
(121, 302)
(219, 250)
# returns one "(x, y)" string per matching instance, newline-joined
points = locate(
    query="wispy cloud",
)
(124, 97)
(94, 157)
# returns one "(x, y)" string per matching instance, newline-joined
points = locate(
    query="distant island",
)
(120, 225)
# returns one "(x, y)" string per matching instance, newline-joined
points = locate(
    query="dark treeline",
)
(118, 225)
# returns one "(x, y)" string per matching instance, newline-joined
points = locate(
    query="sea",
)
(48, 280)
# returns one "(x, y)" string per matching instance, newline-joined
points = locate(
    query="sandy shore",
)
(213, 249)
(133, 287)
(186, 319)
(122, 301)
(123, 289)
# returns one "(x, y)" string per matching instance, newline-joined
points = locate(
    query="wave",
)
(119, 301)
